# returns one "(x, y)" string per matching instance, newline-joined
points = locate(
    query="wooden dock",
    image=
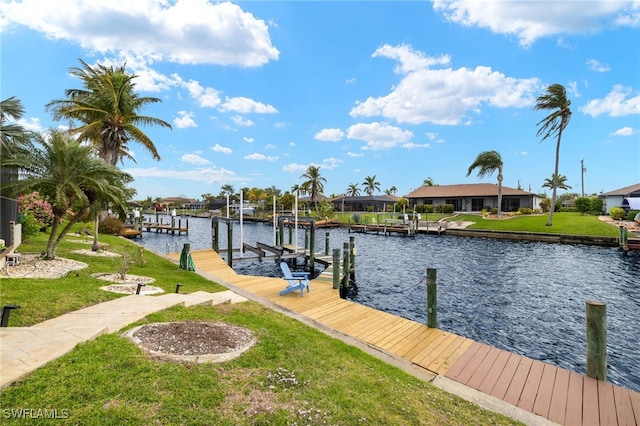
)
(556, 394)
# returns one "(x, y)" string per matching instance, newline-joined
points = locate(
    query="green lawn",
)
(293, 375)
(563, 223)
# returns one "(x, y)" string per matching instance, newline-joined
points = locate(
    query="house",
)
(628, 198)
(374, 203)
(474, 197)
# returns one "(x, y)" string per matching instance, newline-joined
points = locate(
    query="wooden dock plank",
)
(487, 363)
(431, 335)
(506, 376)
(473, 364)
(493, 374)
(455, 370)
(542, 402)
(455, 355)
(575, 397)
(606, 403)
(635, 403)
(531, 386)
(624, 408)
(558, 405)
(426, 355)
(518, 381)
(437, 360)
(590, 409)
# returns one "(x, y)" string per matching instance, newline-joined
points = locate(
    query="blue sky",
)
(403, 91)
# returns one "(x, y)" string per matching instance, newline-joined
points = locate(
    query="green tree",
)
(314, 184)
(554, 99)
(428, 182)
(559, 181)
(108, 110)
(70, 178)
(391, 191)
(583, 205)
(488, 162)
(13, 139)
(353, 190)
(370, 185)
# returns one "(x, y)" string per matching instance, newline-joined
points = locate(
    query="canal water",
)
(524, 297)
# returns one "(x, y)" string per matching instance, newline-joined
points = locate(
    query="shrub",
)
(632, 214)
(494, 210)
(30, 225)
(583, 205)
(596, 205)
(545, 204)
(617, 213)
(40, 210)
(448, 208)
(111, 225)
(525, 210)
(356, 218)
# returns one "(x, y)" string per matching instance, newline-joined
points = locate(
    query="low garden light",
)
(140, 285)
(6, 310)
(178, 287)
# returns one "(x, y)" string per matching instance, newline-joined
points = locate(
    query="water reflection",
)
(524, 297)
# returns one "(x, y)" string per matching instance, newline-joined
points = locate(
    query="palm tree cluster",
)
(104, 117)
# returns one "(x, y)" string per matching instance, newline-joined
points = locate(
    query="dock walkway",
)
(543, 390)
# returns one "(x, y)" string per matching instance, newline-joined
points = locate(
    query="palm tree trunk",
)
(555, 181)
(499, 192)
(96, 243)
(51, 247)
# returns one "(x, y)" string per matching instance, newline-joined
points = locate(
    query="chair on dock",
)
(297, 280)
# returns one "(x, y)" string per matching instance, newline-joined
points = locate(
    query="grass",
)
(293, 375)
(563, 223)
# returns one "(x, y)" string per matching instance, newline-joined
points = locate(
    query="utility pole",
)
(583, 169)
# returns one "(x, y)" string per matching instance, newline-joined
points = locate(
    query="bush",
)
(583, 205)
(448, 208)
(596, 205)
(632, 214)
(30, 225)
(569, 210)
(40, 210)
(617, 213)
(545, 204)
(356, 218)
(494, 210)
(111, 225)
(525, 210)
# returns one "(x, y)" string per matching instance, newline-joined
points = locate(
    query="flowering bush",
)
(34, 205)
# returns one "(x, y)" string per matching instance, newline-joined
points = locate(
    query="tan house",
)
(628, 198)
(473, 197)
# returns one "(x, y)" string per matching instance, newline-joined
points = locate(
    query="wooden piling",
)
(215, 228)
(230, 244)
(624, 238)
(312, 246)
(336, 268)
(597, 340)
(344, 287)
(352, 258)
(326, 243)
(432, 298)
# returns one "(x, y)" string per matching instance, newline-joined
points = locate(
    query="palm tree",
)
(391, 191)
(554, 99)
(560, 181)
(370, 185)
(428, 182)
(353, 190)
(13, 139)
(108, 110)
(70, 178)
(314, 184)
(488, 162)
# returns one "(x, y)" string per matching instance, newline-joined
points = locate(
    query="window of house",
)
(477, 204)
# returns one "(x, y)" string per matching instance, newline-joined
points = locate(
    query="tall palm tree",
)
(13, 139)
(560, 181)
(370, 185)
(391, 191)
(70, 178)
(488, 162)
(554, 99)
(353, 190)
(314, 184)
(428, 182)
(107, 109)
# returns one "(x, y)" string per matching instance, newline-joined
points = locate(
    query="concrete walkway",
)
(25, 349)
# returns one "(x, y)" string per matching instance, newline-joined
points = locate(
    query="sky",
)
(403, 91)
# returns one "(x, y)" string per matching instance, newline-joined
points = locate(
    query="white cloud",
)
(207, 175)
(332, 135)
(620, 102)
(241, 121)
(260, 157)
(221, 149)
(445, 95)
(184, 120)
(411, 145)
(295, 168)
(532, 20)
(248, 139)
(245, 105)
(331, 163)
(204, 96)
(32, 124)
(194, 159)
(354, 154)
(181, 31)
(595, 65)
(623, 131)
(379, 135)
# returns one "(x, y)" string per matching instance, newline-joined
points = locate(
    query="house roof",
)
(464, 190)
(624, 191)
(368, 199)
